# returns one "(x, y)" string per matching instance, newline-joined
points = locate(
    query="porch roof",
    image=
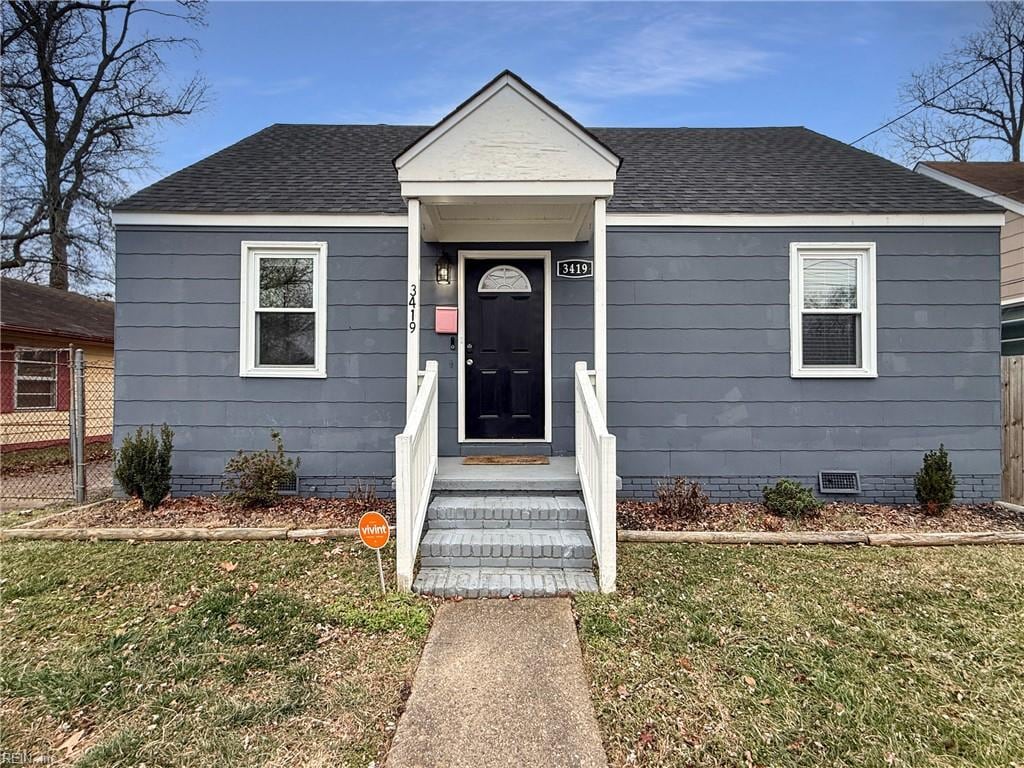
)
(347, 169)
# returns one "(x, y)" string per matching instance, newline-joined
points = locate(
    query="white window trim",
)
(865, 254)
(18, 377)
(251, 249)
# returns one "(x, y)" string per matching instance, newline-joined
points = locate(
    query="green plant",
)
(681, 498)
(254, 479)
(144, 465)
(935, 483)
(790, 499)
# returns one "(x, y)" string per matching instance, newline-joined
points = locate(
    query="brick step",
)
(502, 582)
(506, 547)
(507, 512)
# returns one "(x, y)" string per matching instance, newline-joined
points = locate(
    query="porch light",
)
(443, 270)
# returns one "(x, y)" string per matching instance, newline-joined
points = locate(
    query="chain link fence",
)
(56, 422)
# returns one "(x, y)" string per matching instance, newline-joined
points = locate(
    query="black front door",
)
(504, 356)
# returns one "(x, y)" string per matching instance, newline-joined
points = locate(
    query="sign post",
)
(375, 532)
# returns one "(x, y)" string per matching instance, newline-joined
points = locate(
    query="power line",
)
(943, 92)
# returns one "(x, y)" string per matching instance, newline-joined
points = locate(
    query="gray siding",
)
(698, 358)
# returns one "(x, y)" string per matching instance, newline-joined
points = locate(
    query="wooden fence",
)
(1013, 429)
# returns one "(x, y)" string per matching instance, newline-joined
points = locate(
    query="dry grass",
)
(812, 656)
(202, 654)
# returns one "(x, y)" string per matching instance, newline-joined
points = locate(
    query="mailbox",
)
(446, 319)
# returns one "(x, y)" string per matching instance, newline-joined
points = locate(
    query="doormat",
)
(505, 460)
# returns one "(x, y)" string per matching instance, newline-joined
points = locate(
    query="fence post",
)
(79, 450)
(72, 419)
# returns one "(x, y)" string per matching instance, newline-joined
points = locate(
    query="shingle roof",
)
(348, 169)
(40, 309)
(1006, 179)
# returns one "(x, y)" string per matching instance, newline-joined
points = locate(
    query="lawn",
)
(715, 656)
(277, 654)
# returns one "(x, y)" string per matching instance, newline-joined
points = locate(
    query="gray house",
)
(732, 305)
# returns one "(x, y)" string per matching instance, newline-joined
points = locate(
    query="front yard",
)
(747, 656)
(275, 654)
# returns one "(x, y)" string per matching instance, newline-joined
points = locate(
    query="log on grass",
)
(146, 534)
(746, 537)
(323, 533)
(945, 539)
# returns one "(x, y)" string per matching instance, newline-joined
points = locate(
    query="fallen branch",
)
(745, 537)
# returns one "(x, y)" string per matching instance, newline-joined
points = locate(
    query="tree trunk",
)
(59, 240)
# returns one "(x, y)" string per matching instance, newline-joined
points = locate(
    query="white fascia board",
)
(441, 191)
(1006, 202)
(140, 218)
(806, 220)
(506, 81)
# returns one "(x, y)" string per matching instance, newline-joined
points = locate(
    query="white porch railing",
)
(415, 467)
(595, 464)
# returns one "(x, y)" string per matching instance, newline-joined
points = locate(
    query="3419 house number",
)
(575, 268)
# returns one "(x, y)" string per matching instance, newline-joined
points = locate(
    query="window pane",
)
(24, 400)
(830, 283)
(832, 340)
(286, 283)
(285, 338)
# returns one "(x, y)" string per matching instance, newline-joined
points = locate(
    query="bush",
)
(144, 465)
(364, 497)
(681, 498)
(935, 483)
(790, 499)
(255, 479)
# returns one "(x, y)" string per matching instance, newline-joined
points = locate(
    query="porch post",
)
(601, 305)
(413, 314)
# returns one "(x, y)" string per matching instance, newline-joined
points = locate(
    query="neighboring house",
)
(1002, 184)
(754, 303)
(38, 328)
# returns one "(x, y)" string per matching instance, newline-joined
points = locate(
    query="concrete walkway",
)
(500, 684)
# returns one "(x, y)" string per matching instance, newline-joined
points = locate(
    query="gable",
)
(507, 132)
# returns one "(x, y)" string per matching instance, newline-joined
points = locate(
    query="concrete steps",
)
(501, 545)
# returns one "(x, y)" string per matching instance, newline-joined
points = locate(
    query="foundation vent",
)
(289, 487)
(838, 481)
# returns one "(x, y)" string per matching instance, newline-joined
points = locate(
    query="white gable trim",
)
(986, 194)
(506, 80)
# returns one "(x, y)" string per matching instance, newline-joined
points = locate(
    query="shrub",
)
(935, 483)
(255, 479)
(364, 496)
(790, 499)
(144, 465)
(681, 498)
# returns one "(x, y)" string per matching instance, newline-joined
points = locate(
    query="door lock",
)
(469, 347)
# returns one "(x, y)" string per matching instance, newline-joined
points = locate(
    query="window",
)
(832, 310)
(35, 379)
(284, 309)
(504, 279)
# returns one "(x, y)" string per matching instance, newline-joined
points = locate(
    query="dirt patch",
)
(836, 516)
(211, 512)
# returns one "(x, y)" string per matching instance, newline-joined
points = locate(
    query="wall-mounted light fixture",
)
(443, 270)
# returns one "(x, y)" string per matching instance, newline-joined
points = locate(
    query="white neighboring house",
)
(1003, 184)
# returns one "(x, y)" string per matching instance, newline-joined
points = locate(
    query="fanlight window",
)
(504, 279)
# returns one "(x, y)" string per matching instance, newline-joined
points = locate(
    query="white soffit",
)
(505, 140)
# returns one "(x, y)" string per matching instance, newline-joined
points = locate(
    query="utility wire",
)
(943, 92)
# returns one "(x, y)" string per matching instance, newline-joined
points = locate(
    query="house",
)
(1003, 184)
(732, 305)
(39, 326)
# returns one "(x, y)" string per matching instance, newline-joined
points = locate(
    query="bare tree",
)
(83, 89)
(973, 97)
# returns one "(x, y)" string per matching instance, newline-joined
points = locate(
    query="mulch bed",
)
(836, 516)
(212, 512)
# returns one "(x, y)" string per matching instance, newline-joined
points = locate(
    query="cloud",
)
(677, 52)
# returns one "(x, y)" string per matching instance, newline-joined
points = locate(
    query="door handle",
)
(469, 361)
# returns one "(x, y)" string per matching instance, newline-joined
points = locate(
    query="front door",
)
(504, 355)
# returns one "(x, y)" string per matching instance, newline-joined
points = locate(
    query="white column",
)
(601, 305)
(413, 313)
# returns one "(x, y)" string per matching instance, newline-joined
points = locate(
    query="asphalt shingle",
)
(288, 168)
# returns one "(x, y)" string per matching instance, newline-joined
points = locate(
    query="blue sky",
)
(834, 67)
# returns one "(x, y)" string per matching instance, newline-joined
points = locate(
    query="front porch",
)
(506, 185)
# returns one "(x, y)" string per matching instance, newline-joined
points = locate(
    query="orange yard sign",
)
(374, 530)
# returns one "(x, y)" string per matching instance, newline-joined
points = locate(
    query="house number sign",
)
(575, 269)
(412, 307)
